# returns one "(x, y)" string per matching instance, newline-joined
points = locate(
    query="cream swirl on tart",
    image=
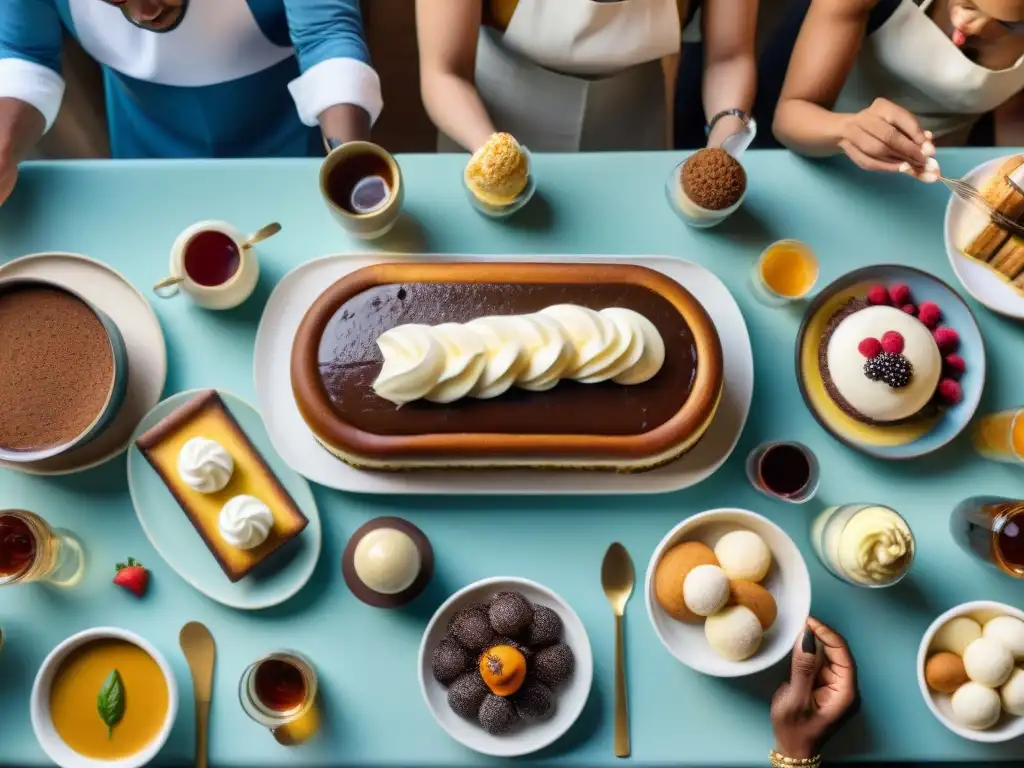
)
(205, 465)
(245, 522)
(487, 356)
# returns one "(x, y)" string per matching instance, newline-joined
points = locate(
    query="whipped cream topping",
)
(205, 465)
(245, 522)
(875, 546)
(487, 356)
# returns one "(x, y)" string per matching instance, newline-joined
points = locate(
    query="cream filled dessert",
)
(485, 357)
(387, 560)
(245, 522)
(498, 172)
(205, 465)
(864, 544)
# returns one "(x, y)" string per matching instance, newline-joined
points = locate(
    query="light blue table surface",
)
(128, 215)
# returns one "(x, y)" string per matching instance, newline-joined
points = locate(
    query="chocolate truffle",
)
(466, 694)
(534, 699)
(510, 613)
(553, 665)
(450, 660)
(471, 628)
(545, 628)
(497, 714)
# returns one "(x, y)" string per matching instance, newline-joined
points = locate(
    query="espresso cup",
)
(214, 264)
(362, 185)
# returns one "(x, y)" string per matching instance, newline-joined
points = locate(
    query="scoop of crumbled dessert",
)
(713, 179)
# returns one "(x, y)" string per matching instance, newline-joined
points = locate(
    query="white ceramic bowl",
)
(788, 581)
(1008, 727)
(570, 697)
(53, 745)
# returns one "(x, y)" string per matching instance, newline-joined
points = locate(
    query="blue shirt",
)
(234, 78)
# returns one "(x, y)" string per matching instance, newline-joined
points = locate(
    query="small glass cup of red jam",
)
(786, 471)
(31, 550)
(279, 692)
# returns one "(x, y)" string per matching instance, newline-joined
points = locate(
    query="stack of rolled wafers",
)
(989, 243)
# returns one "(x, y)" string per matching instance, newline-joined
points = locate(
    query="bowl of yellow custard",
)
(103, 698)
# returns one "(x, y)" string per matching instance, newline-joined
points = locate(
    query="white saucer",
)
(297, 290)
(143, 338)
(977, 279)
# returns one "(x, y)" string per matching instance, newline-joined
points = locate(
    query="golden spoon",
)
(617, 580)
(200, 652)
(261, 234)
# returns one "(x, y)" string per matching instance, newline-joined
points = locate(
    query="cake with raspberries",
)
(886, 360)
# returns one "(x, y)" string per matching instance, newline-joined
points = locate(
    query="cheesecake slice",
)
(241, 482)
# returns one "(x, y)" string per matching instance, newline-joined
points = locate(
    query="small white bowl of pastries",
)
(970, 668)
(728, 592)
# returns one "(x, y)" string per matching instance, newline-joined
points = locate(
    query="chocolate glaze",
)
(350, 362)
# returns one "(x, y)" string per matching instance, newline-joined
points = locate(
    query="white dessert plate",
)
(1008, 727)
(788, 581)
(297, 290)
(175, 539)
(569, 698)
(977, 279)
(143, 338)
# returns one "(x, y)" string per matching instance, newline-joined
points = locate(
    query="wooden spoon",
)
(200, 652)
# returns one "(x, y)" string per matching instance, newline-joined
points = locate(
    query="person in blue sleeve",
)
(192, 78)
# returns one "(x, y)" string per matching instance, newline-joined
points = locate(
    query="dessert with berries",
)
(502, 661)
(885, 359)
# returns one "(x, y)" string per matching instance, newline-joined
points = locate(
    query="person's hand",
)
(820, 695)
(886, 137)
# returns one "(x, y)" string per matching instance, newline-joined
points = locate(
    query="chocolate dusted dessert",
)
(713, 179)
(57, 368)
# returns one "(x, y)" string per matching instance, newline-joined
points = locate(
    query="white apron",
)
(570, 75)
(911, 62)
(217, 41)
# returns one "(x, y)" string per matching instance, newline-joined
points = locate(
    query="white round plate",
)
(788, 581)
(175, 538)
(297, 290)
(977, 279)
(143, 338)
(1008, 727)
(570, 697)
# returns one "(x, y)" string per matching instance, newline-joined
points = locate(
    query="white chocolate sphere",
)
(743, 555)
(1008, 631)
(988, 663)
(734, 633)
(975, 706)
(956, 634)
(387, 561)
(706, 589)
(1012, 693)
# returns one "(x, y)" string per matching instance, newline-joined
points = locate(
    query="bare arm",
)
(730, 66)
(447, 32)
(825, 52)
(1010, 122)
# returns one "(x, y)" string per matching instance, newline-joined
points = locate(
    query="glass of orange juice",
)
(786, 271)
(1000, 436)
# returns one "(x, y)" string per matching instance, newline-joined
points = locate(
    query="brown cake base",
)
(378, 599)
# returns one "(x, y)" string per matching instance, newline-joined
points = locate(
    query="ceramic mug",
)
(362, 186)
(214, 264)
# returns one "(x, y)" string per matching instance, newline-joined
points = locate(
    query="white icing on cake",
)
(875, 399)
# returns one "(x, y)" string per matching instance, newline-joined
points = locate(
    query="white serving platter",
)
(297, 290)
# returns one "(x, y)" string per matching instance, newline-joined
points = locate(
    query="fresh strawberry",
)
(133, 576)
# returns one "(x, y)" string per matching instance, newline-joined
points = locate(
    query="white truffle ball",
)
(956, 634)
(1008, 631)
(1012, 693)
(706, 589)
(734, 633)
(975, 706)
(743, 555)
(987, 662)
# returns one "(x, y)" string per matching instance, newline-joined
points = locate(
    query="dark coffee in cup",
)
(211, 258)
(361, 183)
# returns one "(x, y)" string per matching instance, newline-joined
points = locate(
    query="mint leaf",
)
(110, 701)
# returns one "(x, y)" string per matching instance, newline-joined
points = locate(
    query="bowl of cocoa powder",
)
(707, 187)
(63, 370)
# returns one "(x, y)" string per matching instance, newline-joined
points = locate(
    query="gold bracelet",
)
(779, 760)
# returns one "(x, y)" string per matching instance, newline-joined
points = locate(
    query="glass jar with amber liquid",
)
(279, 693)
(992, 529)
(30, 550)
